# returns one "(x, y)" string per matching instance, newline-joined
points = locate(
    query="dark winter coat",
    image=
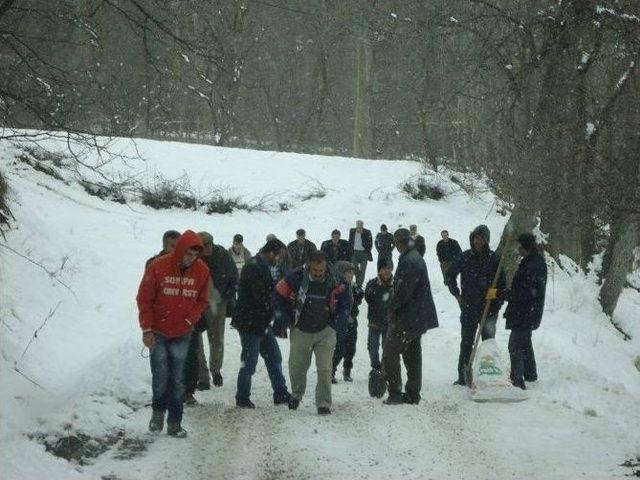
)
(384, 244)
(254, 311)
(297, 256)
(476, 270)
(526, 295)
(367, 242)
(290, 294)
(420, 244)
(448, 251)
(378, 296)
(336, 253)
(412, 310)
(357, 294)
(223, 272)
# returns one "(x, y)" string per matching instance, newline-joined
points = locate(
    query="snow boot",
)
(346, 376)
(217, 379)
(176, 431)
(377, 383)
(190, 400)
(156, 424)
(324, 411)
(394, 399)
(203, 386)
(281, 399)
(244, 403)
(294, 403)
(334, 380)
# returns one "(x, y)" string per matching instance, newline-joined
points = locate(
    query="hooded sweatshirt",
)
(170, 298)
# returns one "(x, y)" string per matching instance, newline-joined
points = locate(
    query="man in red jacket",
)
(172, 296)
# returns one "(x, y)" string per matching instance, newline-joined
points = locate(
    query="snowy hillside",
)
(83, 374)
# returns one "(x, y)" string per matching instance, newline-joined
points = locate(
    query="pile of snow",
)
(84, 373)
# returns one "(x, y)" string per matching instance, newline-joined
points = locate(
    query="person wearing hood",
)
(477, 268)
(314, 305)
(172, 296)
(346, 344)
(524, 310)
(252, 318)
(377, 294)
(411, 313)
(169, 242)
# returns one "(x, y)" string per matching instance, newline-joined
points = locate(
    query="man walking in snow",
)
(239, 253)
(524, 311)
(300, 250)
(411, 313)
(477, 268)
(252, 318)
(378, 294)
(336, 249)
(384, 245)
(171, 298)
(418, 240)
(346, 344)
(314, 305)
(360, 245)
(169, 241)
(223, 290)
(447, 250)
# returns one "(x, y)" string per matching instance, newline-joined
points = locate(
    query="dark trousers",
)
(168, 358)
(192, 365)
(374, 341)
(265, 346)
(346, 348)
(468, 328)
(396, 345)
(523, 359)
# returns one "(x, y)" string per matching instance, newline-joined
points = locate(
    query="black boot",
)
(175, 430)
(217, 380)
(294, 403)
(156, 424)
(346, 376)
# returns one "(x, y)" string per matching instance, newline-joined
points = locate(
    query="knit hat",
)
(237, 238)
(206, 237)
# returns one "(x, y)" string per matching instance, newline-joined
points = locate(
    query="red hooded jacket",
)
(171, 301)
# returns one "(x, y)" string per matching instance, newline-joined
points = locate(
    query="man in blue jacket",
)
(524, 311)
(477, 268)
(314, 305)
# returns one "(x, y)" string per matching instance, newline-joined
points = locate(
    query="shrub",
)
(421, 188)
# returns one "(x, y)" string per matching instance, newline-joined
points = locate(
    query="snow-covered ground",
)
(581, 420)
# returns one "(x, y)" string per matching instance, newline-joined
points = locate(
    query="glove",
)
(492, 294)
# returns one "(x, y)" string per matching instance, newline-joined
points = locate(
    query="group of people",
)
(312, 297)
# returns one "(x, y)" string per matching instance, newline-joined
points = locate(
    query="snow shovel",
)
(468, 372)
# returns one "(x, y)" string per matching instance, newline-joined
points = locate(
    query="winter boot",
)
(334, 380)
(190, 400)
(203, 385)
(244, 403)
(217, 379)
(324, 411)
(460, 383)
(175, 430)
(346, 376)
(294, 403)
(377, 383)
(281, 399)
(394, 399)
(410, 399)
(156, 424)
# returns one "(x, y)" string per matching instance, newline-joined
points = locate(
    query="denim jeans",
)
(523, 359)
(468, 329)
(267, 347)
(374, 340)
(168, 358)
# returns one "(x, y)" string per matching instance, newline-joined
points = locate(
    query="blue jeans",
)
(523, 358)
(267, 347)
(375, 338)
(168, 358)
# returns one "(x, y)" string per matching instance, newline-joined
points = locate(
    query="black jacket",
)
(223, 272)
(476, 270)
(526, 295)
(296, 256)
(412, 310)
(378, 296)
(254, 312)
(384, 243)
(367, 241)
(420, 244)
(340, 253)
(448, 251)
(148, 262)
